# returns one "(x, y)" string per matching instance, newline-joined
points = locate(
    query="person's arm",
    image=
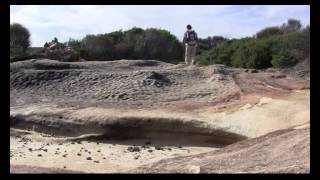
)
(196, 38)
(184, 38)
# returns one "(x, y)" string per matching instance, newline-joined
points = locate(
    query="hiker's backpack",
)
(191, 37)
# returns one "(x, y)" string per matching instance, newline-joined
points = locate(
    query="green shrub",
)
(252, 54)
(19, 41)
(209, 43)
(269, 31)
(283, 59)
(277, 46)
(292, 25)
(281, 46)
(135, 43)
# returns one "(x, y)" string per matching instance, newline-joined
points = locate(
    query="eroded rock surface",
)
(282, 151)
(184, 110)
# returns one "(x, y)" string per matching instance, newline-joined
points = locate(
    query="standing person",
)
(190, 41)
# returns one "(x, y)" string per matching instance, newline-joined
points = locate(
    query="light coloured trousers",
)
(190, 54)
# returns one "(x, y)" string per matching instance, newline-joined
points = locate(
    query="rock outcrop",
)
(283, 151)
(58, 51)
(211, 119)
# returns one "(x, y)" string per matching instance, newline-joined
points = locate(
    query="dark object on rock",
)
(45, 150)
(122, 96)
(65, 155)
(158, 148)
(179, 146)
(136, 157)
(279, 76)
(89, 158)
(220, 69)
(39, 155)
(270, 70)
(64, 167)
(79, 154)
(79, 142)
(155, 79)
(72, 142)
(104, 157)
(133, 149)
(96, 161)
(30, 149)
(169, 149)
(150, 150)
(251, 71)
(99, 151)
(148, 143)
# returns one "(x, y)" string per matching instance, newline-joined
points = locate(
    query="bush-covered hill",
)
(279, 47)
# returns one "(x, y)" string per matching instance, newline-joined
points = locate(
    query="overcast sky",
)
(64, 22)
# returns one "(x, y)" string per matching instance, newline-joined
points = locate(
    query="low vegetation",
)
(135, 43)
(19, 42)
(277, 46)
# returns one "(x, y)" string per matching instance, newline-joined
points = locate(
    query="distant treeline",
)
(135, 43)
(19, 42)
(278, 46)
